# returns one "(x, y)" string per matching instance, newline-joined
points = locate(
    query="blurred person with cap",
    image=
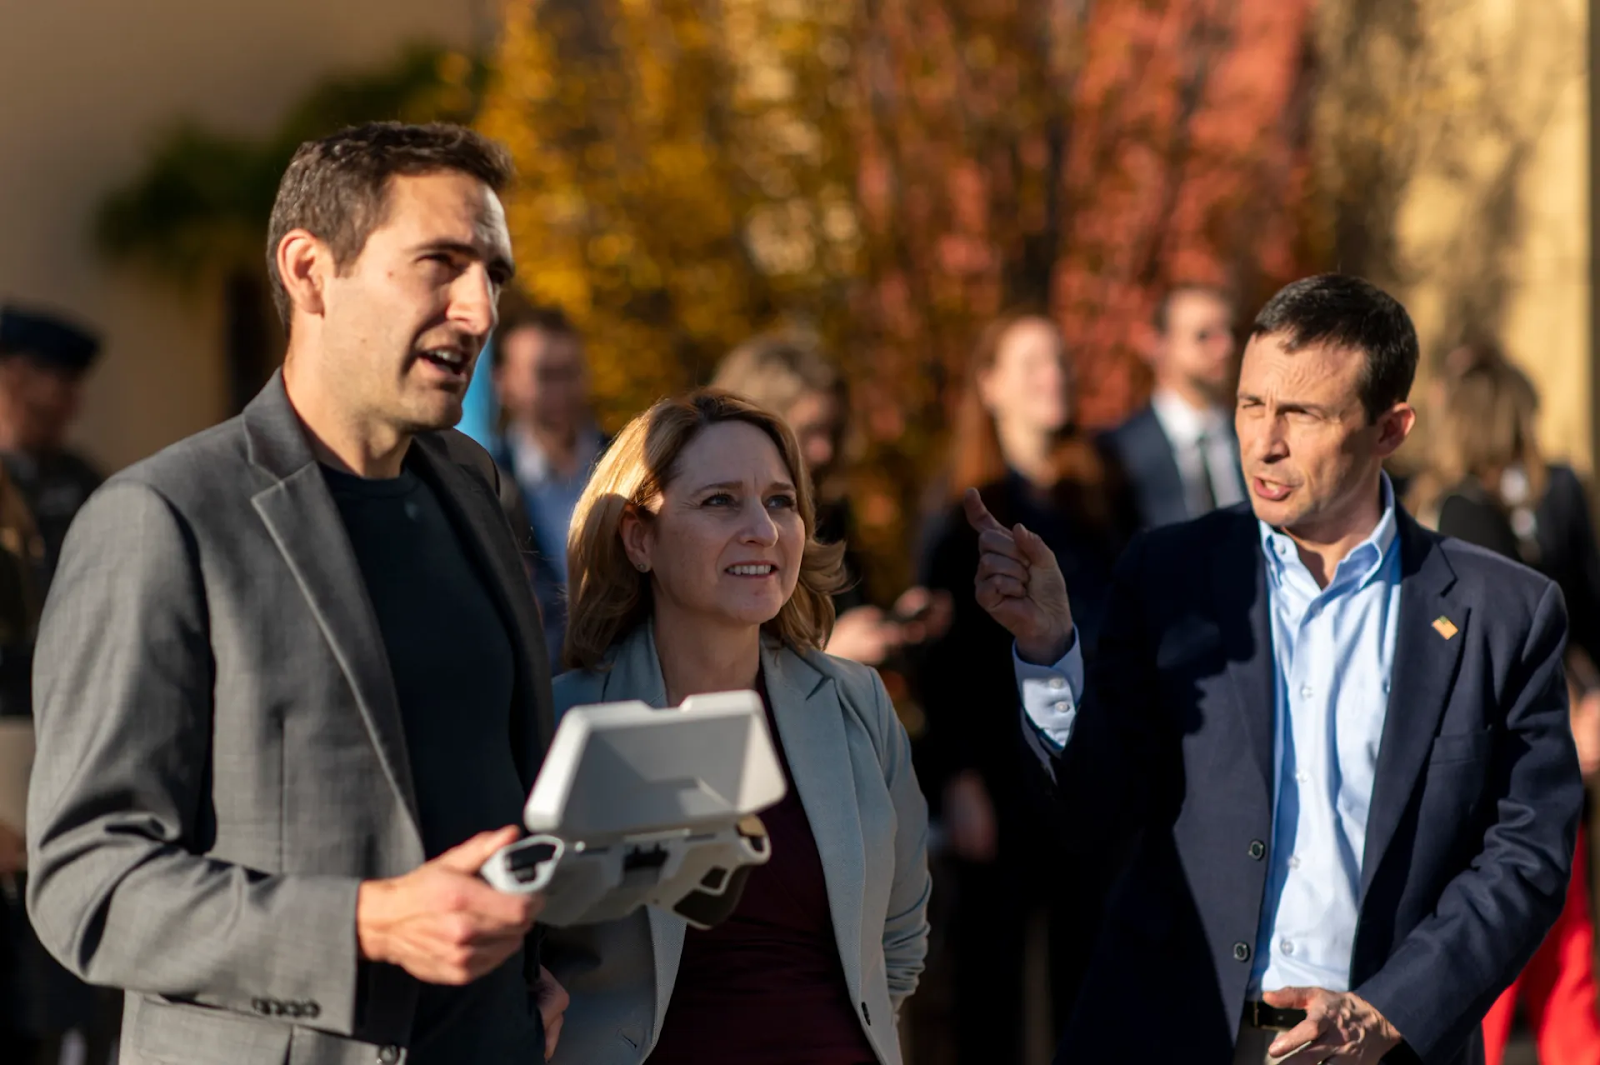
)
(548, 443)
(43, 362)
(43, 358)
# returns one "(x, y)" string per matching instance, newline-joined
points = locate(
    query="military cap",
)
(47, 338)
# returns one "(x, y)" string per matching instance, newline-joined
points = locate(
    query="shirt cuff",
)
(1050, 694)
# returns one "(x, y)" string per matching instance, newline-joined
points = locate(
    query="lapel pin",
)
(1445, 627)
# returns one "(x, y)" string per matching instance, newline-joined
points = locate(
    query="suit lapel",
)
(805, 705)
(1240, 594)
(304, 523)
(478, 517)
(1423, 677)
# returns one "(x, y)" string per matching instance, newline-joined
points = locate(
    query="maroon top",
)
(766, 985)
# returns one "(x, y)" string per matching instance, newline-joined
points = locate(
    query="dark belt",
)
(1260, 1015)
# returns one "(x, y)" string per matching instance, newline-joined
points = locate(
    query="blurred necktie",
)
(1208, 491)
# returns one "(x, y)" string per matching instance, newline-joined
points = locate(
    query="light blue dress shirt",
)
(1333, 653)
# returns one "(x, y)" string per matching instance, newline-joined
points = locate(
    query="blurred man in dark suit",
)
(1179, 452)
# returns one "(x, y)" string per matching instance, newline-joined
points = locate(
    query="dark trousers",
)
(994, 910)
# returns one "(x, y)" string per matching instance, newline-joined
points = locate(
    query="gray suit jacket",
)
(851, 763)
(221, 758)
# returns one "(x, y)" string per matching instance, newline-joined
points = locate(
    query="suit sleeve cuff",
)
(1050, 694)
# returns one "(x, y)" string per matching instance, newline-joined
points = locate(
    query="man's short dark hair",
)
(1347, 312)
(1162, 319)
(337, 188)
(516, 316)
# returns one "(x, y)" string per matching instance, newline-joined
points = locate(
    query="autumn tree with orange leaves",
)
(891, 173)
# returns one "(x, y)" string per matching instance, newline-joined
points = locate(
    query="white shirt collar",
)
(532, 465)
(1182, 423)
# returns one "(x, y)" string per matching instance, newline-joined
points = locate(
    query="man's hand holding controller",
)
(442, 922)
(445, 924)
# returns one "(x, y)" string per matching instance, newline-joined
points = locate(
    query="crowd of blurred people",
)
(1016, 437)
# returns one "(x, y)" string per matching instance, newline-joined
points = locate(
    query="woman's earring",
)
(644, 567)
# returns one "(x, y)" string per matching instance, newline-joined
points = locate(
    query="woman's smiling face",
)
(724, 540)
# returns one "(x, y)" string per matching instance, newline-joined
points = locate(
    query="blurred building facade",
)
(1454, 138)
(90, 85)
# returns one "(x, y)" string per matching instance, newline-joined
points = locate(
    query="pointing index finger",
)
(978, 515)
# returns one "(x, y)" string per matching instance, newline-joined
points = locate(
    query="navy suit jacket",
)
(1474, 811)
(1145, 453)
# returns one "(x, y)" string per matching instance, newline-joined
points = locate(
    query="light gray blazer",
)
(221, 758)
(851, 764)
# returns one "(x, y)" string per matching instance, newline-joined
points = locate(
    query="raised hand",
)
(1020, 584)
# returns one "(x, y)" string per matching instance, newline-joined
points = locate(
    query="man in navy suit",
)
(1179, 452)
(1334, 745)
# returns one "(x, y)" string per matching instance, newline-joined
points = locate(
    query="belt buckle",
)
(1255, 1013)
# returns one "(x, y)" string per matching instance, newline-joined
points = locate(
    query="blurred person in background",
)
(548, 442)
(1016, 440)
(788, 374)
(1486, 482)
(695, 568)
(43, 360)
(1180, 451)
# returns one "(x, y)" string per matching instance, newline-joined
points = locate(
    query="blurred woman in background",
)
(788, 374)
(1484, 481)
(1015, 440)
(694, 567)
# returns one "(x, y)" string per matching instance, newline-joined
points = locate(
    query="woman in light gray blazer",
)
(693, 568)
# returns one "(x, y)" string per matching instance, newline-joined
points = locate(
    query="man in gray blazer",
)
(291, 687)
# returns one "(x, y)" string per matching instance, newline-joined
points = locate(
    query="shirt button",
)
(1305, 691)
(1302, 777)
(1286, 946)
(1061, 707)
(1057, 683)
(388, 1055)
(1241, 952)
(1258, 850)
(1294, 861)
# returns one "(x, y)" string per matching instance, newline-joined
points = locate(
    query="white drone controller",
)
(640, 806)
(524, 867)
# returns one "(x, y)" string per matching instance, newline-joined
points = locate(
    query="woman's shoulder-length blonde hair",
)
(608, 598)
